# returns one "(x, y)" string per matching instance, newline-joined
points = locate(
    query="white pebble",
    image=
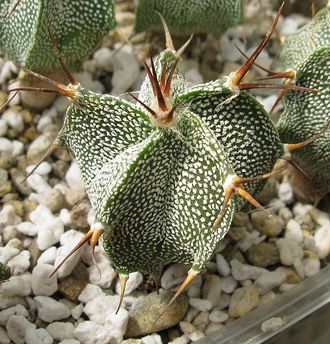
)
(268, 102)
(48, 256)
(193, 75)
(90, 292)
(103, 59)
(40, 215)
(13, 119)
(228, 284)
(290, 24)
(116, 324)
(191, 314)
(15, 310)
(43, 169)
(290, 251)
(39, 184)
(269, 280)
(4, 338)
(16, 328)
(19, 263)
(15, 286)
(187, 327)
(285, 214)
(194, 291)
(299, 267)
(294, 232)
(301, 209)
(8, 216)
(222, 265)
(61, 104)
(285, 192)
(218, 316)
(89, 82)
(322, 241)
(243, 272)
(213, 327)
(65, 216)
(50, 112)
(38, 336)
(69, 341)
(320, 217)
(200, 304)
(6, 253)
(134, 280)
(61, 330)
(27, 228)
(49, 233)
(180, 340)
(70, 238)
(272, 324)
(107, 274)
(8, 301)
(194, 336)
(249, 239)
(285, 287)
(173, 275)
(91, 217)
(270, 295)
(73, 176)
(126, 70)
(211, 289)
(311, 266)
(229, 51)
(18, 148)
(77, 311)
(99, 308)
(3, 127)
(50, 310)
(152, 339)
(43, 123)
(6, 71)
(88, 332)
(6, 146)
(42, 284)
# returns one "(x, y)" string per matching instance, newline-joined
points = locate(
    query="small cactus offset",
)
(76, 25)
(187, 16)
(308, 53)
(4, 272)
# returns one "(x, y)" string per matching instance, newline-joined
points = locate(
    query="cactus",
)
(4, 272)
(165, 175)
(307, 52)
(186, 16)
(76, 25)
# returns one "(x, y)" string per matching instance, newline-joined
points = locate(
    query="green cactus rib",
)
(158, 190)
(188, 16)
(4, 272)
(305, 114)
(76, 25)
(299, 46)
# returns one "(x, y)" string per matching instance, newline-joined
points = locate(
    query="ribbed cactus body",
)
(158, 189)
(76, 25)
(305, 114)
(188, 16)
